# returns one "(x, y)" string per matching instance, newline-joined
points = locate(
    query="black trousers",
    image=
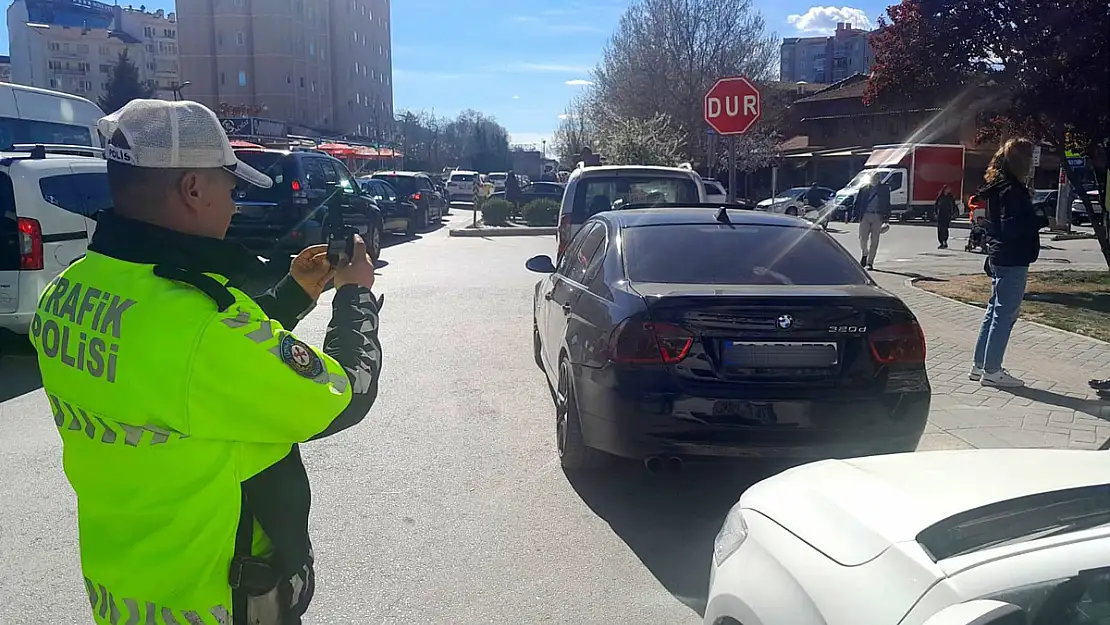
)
(942, 231)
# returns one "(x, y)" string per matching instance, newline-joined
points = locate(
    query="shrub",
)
(496, 212)
(541, 213)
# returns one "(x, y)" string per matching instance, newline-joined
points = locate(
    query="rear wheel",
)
(792, 211)
(373, 240)
(573, 452)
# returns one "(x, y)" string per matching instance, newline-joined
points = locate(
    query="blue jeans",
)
(1007, 291)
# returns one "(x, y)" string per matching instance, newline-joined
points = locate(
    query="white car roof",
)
(465, 172)
(852, 510)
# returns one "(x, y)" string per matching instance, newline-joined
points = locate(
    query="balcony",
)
(69, 71)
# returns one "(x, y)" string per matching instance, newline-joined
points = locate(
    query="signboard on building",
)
(254, 127)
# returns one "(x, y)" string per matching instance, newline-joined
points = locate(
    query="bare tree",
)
(633, 141)
(666, 54)
(576, 130)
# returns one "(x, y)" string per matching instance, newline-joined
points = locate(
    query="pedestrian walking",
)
(945, 209)
(180, 400)
(512, 189)
(1014, 244)
(874, 218)
(814, 196)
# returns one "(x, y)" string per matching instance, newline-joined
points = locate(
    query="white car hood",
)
(853, 510)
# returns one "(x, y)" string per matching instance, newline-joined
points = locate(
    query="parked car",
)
(292, 214)
(537, 191)
(48, 208)
(419, 189)
(971, 537)
(498, 179)
(793, 201)
(399, 214)
(714, 191)
(592, 190)
(460, 185)
(1079, 212)
(663, 344)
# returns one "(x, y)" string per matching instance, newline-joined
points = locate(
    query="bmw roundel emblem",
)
(785, 322)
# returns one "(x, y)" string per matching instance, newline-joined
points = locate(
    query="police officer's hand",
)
(359, 271)
(311, 270)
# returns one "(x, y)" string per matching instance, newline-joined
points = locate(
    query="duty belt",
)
(254, 575)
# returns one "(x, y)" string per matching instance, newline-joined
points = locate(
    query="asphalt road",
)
(447, 504)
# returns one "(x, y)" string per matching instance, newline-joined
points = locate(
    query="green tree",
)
(124, 85)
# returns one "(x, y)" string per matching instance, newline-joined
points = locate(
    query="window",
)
(223, 78)
(84, 194)
(238, 3)
(242, 79)
(14, 131)
(587, 256)
(571, 254)
(315, 173)
(240, 39)
(104, 50)
(314, 86)
(895, 181)
(598, 193)
(773, 255)
(405, 185)
(311, 49)
(1080, 600)
(105, 69)
(301, 79)
(9, 234)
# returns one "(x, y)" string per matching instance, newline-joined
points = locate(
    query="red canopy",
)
(241, 145)
(336, 149)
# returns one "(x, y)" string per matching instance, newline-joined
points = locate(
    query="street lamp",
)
(176, 88)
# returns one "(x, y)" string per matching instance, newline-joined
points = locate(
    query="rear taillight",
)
(416, 197)
(649, 343)
(902, 344)
(30, 245)
(296, 185)
(563, 235)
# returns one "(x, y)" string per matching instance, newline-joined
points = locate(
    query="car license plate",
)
(780, 355)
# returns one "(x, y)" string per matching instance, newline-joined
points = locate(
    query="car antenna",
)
(722, 216)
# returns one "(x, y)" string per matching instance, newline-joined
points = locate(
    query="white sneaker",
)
(975, 374)
(1001, 379)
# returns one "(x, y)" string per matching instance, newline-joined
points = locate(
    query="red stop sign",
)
(733, 106)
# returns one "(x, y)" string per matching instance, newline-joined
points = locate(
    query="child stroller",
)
(979, 240)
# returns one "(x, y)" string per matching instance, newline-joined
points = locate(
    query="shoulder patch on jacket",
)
(300, 357)
(205, 284)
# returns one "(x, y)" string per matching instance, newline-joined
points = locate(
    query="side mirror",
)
(980, 612)
(540, 264)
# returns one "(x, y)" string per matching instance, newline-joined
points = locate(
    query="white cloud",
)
(823, 20)
(564, 116)
(516, 97)
(578, 82)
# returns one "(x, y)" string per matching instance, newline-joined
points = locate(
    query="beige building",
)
(72, 45)
(320, 64)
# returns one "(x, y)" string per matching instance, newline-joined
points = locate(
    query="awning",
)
(246, 145)
(337, 149)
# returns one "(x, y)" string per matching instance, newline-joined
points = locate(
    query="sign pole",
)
(732, 169)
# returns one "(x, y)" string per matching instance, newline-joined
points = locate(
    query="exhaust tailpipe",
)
(674, 464)
(654, 464)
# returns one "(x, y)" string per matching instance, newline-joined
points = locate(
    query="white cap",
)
(174, 135)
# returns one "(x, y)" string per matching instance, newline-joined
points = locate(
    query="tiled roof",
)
(852, 87)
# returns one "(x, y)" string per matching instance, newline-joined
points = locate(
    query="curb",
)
(522, 231)
(912, 283)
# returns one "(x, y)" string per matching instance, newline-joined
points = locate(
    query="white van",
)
(592, 190)
(48, 208)
(31, 116)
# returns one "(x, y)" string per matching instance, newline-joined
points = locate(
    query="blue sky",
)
(521, 61)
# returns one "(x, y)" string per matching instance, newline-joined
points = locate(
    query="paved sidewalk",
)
(1057, 409)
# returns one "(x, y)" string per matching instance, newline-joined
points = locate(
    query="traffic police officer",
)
(180, 400)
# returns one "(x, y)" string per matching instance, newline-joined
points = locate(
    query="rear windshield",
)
(498, 176)
(741, 254)
(462, 177)
(272, 164)
(9, 232)
(405, 185)
(597, 194)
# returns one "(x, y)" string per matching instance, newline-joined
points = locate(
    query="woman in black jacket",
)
(1016, 243)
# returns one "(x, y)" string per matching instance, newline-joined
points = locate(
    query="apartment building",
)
(826, 59)
(72, 45)
(316, 64)
(5, 68)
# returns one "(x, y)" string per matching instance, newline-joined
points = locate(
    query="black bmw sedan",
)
(671, 334)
